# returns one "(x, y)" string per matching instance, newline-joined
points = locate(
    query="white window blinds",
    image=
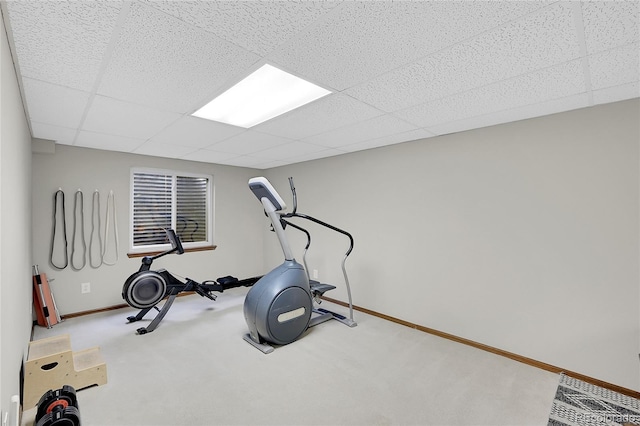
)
(191, 208)
(164, 199)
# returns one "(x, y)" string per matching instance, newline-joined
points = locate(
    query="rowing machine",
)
(146, 288)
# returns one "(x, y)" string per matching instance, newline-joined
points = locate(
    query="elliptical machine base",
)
(278, 307)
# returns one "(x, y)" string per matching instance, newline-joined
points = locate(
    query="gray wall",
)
(15, 228)
(522, 236)
(238, 232)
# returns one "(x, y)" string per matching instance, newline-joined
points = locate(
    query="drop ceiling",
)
(126, 75)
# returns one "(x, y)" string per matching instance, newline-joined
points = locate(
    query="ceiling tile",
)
(164, 150)
(249, 142)
(536, 87)
(247, 161)
(196, 132)
(208, 156)
(365, 130)
(256, 26)
(111, 116)
(52, 104)
(270, 164)
(325, 153)
(538, 40)
(580, 100)
(258, 162)
(62, 42)
(369, 38)
(289, 150)
(163, 62)
(615, 67)
(328, 113)
(62, 135)
(609, 24)
(389, 140)
(617, 93)
(107, 142)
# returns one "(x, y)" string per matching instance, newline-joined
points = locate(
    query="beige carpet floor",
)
(195, 369)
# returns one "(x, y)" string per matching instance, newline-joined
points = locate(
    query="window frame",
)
(174, 174)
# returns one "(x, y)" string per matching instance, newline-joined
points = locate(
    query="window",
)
(163, 199)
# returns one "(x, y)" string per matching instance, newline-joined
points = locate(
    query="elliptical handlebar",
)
(326, 225)
(295, 197)
(300, 228)
(313, 219)
(294, 213)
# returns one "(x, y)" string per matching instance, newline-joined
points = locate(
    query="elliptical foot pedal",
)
(262, 347)
(337, 316)
(318, 288)
(319, 318)
(346, 321)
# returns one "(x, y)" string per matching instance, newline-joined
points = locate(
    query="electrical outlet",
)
(85, 287)
(315, 274)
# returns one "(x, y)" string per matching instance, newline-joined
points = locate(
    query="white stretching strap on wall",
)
(78, 196)
(111, 201)
(95, 217)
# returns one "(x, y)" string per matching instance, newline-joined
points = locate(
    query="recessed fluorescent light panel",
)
(267, 93)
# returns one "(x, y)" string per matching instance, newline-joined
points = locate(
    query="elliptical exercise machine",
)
(145, 288)
(279, 307)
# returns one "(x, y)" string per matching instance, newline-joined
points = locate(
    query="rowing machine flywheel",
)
(144, 289)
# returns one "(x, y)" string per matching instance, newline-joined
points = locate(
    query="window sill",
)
(153, 253)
